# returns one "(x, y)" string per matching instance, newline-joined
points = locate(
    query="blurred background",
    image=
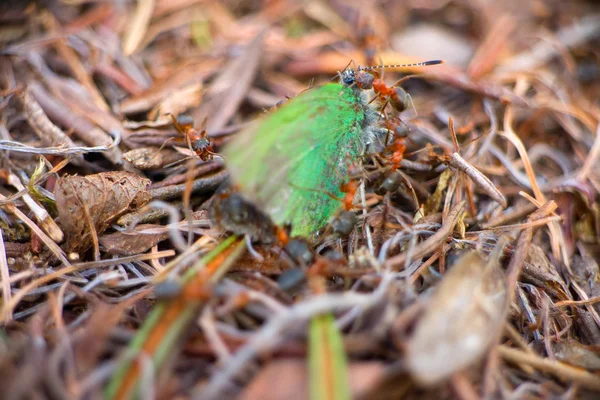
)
(188, 47)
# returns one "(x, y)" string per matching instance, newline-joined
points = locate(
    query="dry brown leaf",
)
(460, 322)
(99, 198)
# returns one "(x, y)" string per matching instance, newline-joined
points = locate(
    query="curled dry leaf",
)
(460, 322)
(99, 199)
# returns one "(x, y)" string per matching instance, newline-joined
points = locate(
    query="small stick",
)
(204, 184)
(5, 275)
(48, 133)
(46, 221)
(429, 245)
(364, 211)
(509, 216)
(415, 166)
(476, 176)
(462, 387)
(85, 130)
(592, 158)
(54, 248)
(565, 303)
(561, 370)
(525, 225)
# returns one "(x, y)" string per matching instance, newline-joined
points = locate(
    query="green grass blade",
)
(328, 369)
(179, 319)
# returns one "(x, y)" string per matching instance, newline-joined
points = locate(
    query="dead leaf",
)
(99, 199)
(460, 321)
(429, 41)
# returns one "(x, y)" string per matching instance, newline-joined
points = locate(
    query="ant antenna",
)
(351, 62)
(419, 64)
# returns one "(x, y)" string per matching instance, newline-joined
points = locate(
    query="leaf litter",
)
(468, 272)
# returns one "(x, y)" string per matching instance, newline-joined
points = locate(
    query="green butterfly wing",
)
(292, 161)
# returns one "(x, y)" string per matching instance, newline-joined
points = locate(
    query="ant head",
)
(364, 80)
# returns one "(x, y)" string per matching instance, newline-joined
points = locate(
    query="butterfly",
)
(293, 162)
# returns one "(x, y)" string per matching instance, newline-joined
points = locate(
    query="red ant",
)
(231, 211)
(398, 154)
(343, 223)
(197, 140)
(394, 125)
(350, 187)
(394, 95)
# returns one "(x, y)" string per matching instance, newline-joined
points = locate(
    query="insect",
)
(197, 140)
(234, 213)
(389, 182)
(343, 223)
(350, 187)
(394, 95)
(300, 251)
(398, 148)
(291, 162)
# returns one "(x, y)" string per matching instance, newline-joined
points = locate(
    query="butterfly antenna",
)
(419, 64)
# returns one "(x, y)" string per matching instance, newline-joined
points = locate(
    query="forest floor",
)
(471, 269)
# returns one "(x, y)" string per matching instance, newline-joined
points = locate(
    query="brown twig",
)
(559, 369)
(5, 275)
(48, 133)
(429, 245)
